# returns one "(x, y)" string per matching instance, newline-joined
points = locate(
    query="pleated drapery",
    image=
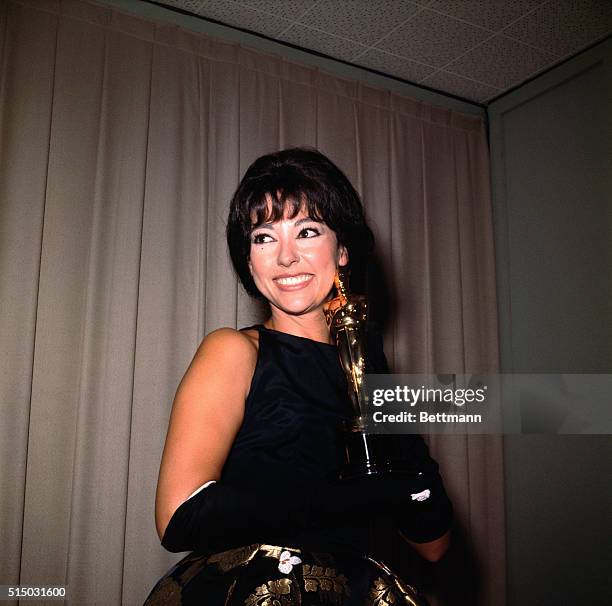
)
(121, 142)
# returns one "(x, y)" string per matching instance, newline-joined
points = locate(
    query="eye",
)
(309, 232)
(261, 238)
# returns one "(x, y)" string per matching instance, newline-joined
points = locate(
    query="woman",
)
(247, 479)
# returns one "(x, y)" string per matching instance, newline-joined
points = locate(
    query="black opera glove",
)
(422, 510)
(219, 517)
(428, 515)
(222, 516)
(418, 505)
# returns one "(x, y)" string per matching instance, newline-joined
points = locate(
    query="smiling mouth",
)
(292, 280)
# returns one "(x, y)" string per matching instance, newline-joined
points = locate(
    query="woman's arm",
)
(207, 412)
(432, 550)
(426, 520)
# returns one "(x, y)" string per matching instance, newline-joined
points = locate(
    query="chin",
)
(296, 310)
(296, 307)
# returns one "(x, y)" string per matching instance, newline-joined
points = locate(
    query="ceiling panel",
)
(365, 21)
(472, 49)
(563, 27)
(432, 38)
(490, 14)
(243, 16)
(399, 66)
(287, 9)
(472, 90)
(322, 42)
(501, 62)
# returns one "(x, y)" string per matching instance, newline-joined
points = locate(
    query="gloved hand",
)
(221, 516)
(426, 517)
(419, 507)
(393, 495)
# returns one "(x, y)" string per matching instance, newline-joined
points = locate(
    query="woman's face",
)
(293, 262)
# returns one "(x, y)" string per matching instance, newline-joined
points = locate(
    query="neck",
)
(310, 325)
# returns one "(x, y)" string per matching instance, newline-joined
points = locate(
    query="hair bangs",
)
(274, 204)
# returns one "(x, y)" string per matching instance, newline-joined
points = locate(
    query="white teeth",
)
(294, 279)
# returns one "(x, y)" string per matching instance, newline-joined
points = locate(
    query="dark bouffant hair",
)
(294, 178)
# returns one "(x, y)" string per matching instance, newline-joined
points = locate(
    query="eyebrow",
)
(296, 224)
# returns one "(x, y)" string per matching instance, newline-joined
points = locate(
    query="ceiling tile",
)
(492, 14)
(462, 87)
(364, 21)
(286, 9)
(447, 45)
(414, 40)
(241, 16)
(324, 43)
(501, 62)
(565, 26)
(393, 65)
(186, 5)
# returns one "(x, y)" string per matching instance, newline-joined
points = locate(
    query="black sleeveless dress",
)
(289, 438)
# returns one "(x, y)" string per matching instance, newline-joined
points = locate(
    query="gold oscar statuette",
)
(365, 453)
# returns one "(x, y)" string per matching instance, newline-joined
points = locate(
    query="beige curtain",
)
(122, 140)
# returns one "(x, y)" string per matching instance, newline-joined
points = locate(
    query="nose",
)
(287, 252)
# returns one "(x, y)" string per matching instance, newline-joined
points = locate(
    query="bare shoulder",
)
(227, 353)
(229, 342)
(252, 334)
(220, 372)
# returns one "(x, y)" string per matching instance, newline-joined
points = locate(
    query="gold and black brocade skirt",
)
(269, 575)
